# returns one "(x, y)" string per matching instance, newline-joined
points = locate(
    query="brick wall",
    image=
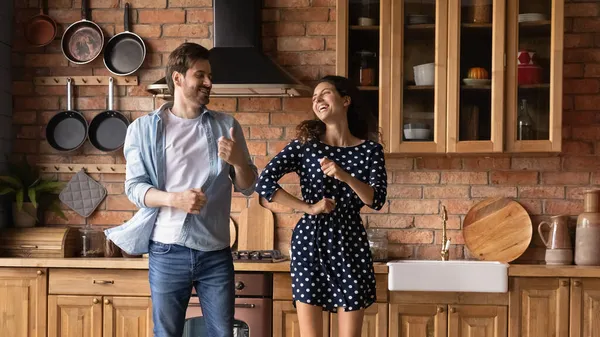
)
(301, 35)
(6, 134)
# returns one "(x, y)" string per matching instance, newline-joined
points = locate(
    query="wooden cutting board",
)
(497, 229)
(256, 227)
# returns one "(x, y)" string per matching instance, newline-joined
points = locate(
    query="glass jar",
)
(93, 242)
(587, 233)
(366, 70)
(525, 127)
(378, 242)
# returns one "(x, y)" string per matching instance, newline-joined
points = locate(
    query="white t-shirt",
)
(186, 154)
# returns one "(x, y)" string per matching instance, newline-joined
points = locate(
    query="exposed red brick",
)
(160, 16)
(287, 3)
(320, 28)
(582, 163)
(300, 43)
(486, 163)
(257, 148)
(436, 163)
(536, 164)
(404, 192)
(541, 192)
(579, 41)
(445, 192)
(305, 14)
(410, 236)
(469, 178)
(455, 237)
(573, 70)
(223, 104)
(565, 178)
(514, 177)
(109, 217)
(200, 15)
(253, 118)
(458, 206)
(185, 30)
(493, 191)
(283, 29)
(190, 3)
(581, 86)
(264, 132)
(416, 177)
(569, 207)
(435, 221)
(581, 9)
(259, 104)
(432, 252)
(398, 164)
(389, 221)
(586, 25)
(414, 206)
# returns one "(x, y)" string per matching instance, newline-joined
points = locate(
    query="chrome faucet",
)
(445, 241)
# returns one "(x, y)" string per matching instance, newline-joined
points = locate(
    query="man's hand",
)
(190, 201)
(331, 169)
(230, 151)
(324, 205)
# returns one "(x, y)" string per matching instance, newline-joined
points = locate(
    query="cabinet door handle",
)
(95, 301)
(564, 283)
(440, 309)
(107, 301)
(453, 310)
(103, 282)
(39, 272)
(576, 283)
(29, 246)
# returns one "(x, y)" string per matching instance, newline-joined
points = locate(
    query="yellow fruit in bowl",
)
(478, 73)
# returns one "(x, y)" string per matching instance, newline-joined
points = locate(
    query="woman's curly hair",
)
(361, 122)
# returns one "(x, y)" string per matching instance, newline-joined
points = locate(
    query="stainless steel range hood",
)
(239, 67)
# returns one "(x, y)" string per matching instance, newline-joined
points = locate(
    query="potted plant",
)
(30, 189)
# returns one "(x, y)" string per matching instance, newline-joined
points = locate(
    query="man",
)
(181, 161)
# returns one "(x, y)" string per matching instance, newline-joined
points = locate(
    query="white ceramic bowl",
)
(424, 74)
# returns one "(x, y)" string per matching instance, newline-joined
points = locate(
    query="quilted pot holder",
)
(83, 194)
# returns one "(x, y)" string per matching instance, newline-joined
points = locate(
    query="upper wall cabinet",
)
(464, 76)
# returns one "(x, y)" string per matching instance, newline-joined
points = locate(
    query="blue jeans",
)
(173, 271)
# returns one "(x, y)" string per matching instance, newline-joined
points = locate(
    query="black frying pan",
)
(67, 130)
(124, 52)
(83, 40)
(108, 129)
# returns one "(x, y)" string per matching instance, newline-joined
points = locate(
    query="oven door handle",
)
(237, 305)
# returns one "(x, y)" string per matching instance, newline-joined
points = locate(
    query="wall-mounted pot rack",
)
(85, 80)
(74, 168)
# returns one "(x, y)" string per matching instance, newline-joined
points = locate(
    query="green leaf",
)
(6, 190)
(49, 186)
(32, 197)
(19, 199)
(12, 181)
(55, 207)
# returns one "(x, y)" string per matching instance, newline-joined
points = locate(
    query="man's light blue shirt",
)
(144, 151)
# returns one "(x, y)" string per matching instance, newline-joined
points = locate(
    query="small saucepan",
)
(67, 130)
(83, 40)
(124, 52)
(40, 30)
(108, 129)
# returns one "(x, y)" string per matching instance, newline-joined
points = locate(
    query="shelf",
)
(356, 27)
(535, 86)
(476, 87)
(535, 27)
(74, 168)
(420, 87)
(477, 25)
(368, 88)
(85, 80)
(421, 26)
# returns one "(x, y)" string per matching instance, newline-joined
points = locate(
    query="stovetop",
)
(257, 256)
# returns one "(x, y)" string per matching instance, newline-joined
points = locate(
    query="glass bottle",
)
(366, 71)
(378, 242)
(525, 127)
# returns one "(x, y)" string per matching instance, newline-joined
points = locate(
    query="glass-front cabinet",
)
(534, 95)
(464, 76)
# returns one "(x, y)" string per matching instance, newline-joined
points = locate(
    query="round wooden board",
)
(232, 233)
(497, 229)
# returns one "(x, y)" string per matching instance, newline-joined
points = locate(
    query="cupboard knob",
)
(576, 283)
(564, 283)
(452, 310)
(106, 301)
(440, 309)
(95, 301)
(39, 272)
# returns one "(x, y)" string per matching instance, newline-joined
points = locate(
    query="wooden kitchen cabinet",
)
(470, 101)
(539, 307)
(585, 307)
(375, 322)
(99, 316)
(23, 306)
(285, 320)
(418, 320)
(477, 321)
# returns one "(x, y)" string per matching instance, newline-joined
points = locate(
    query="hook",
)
(99, 80)
(112, 168)
(84, 80)
(98, 168)
(56, 168)
(43, 81)
(126, 80)
(56, 80)
(70, 168)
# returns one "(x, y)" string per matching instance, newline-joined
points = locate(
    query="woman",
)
(341, 169)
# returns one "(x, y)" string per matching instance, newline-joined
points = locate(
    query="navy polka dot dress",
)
(331, 264)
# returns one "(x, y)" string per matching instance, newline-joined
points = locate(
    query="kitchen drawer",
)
(118, 282)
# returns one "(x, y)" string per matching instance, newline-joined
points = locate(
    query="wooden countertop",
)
(139, 263)
(527, 270)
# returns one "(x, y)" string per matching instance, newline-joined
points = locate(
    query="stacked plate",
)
(529, 17)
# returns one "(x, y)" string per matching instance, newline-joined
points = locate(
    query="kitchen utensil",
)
(476, 81)
(417, 131)
(256, 227)
(497, 229)
(67, 130)
(232, 233)
(82, 194)
(126, 51)
(40, 30)
(108, 129)
(558, 236)
(424, 74)
(83, 40)
(587, 233)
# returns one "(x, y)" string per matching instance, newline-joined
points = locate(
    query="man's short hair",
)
(182, 58)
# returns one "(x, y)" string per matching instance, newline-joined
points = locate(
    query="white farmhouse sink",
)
(453, 275)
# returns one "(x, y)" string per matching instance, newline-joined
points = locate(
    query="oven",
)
(253, 308)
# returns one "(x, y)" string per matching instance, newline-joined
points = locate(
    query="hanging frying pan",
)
(124, 52)
(67, 130)
(108, 129)
(40, 30)
(82, 41)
